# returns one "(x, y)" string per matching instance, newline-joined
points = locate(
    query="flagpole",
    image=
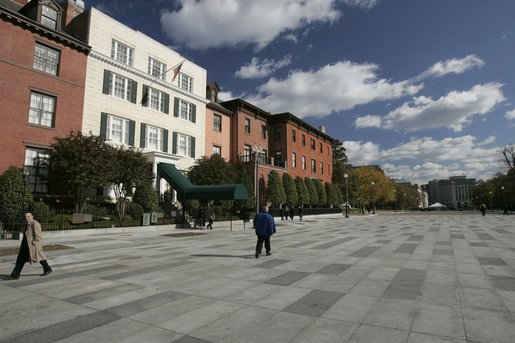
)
(158, 76)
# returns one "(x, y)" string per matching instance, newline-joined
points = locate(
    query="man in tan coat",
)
(31, 248)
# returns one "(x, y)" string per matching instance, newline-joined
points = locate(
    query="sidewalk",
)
(394, 278)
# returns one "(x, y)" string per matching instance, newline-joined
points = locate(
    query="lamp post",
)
(504, 200)
(346, 176)
(395, 199)
(372, 198)
(257, 150)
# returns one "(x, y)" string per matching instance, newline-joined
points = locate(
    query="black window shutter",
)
(107, 77)
(193, 113)
(174, 143)
(142, 136)
(146, 95)
(134, 91)
(132, 129)
(175, 107)
(167, 103)
(192, 141)
(165, 140)
(103, 126)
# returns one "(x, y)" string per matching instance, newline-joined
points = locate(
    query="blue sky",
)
(423, 88)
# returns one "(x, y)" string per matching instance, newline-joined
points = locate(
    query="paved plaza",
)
(379, 278)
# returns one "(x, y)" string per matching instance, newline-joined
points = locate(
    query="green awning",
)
(186, 190)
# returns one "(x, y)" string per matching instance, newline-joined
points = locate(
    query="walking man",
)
(31, 248)
(264, 225)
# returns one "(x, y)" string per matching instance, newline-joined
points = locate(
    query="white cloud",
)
(453, 110)
(452, 66)
(366, 4)
(510, 114)
(434, 159)
(206, 24)
(340, 86)
(367, 121)
(257, 68)
(488, 140)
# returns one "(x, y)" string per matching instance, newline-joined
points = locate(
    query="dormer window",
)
(49, 17)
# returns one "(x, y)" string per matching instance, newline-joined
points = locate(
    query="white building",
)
(130, 98)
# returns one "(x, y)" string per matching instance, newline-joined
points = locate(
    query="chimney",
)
(322, 128)
(72, 8)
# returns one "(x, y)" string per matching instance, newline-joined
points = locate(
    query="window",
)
(49, 17)
(277, 134)
(154, 138)
(117, 130)
(293, 136)
(303, 162)
(122, 53)
(303, 140)
(185, 145)
(36, 169)
(294, 160)
(120, 87)
(185, 110)
(247, 125)
(46, 59)
(185, 82)
(217, 123)
(313, 166)
(42, 109)
(217, 150)
(312, 144)
(321, 167)
(263, 131)
(246, 153)
(278, 157)
(321, 148)
(157, 100)
(156, 68)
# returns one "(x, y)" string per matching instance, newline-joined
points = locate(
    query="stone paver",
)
(381, 278)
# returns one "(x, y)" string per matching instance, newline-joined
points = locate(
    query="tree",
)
(339, 152)
(322, 194)
(275, 193)
(15, 197)
(332, 200)
(382, 189)
(508, 153)
(130, 169)
(79, 164)
(212, 170)
(339, 195)
(302, 191)
(243, 177)
(290, 190)
(146, 196)
(312, 190)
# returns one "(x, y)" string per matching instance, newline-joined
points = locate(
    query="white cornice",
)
(128, 69)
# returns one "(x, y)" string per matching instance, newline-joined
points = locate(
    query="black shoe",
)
(268, 253)
(14, 277)
(257, 255)
(46, 273)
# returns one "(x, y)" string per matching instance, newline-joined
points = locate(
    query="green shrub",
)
(41, 212)
(146, 196)
(135, 211)
(99, 212)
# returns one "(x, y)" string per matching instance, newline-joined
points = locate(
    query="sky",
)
(422, 88)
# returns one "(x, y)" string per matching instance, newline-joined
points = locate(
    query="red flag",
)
(176, 71)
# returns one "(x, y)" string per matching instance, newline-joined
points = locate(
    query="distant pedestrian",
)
(286, 212)
(281, 210)
(210, 218)
(264, 225)
(299, 211)
(31, 248)
(482, 208)
(363, 210)
(292, 212)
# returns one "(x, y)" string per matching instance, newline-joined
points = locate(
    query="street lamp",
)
(257, 150)
(504, 200)
(372, 198)
(346, 176)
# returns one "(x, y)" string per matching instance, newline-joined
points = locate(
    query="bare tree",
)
(508, 153)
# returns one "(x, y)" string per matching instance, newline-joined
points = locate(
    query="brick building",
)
(42, 78)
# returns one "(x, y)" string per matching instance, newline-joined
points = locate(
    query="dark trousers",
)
(259, 244)
(23, 257)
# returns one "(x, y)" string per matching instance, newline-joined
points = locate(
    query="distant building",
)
(455, 193)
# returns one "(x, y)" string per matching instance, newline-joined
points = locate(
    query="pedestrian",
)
(292, 212)
(483, 209)
(299, 210)
(210, 218)
(31, 248)
(264, 225)
(286, 212)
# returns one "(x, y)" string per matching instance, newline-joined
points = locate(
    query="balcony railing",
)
(270, 161)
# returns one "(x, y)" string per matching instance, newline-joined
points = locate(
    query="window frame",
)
(217, 149)
(217, 123)
(313, 165)
(124, 130)
(247, 153)
(43, 62)
(293, 136)
(185, 82)
(263, 131)
(304, 162)
(48, 21)
(247, 125)
(294, 160)
(37, 114)
(159, 144)
(161, 99)
(125, 57)
(160, 70)
(37, 181)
